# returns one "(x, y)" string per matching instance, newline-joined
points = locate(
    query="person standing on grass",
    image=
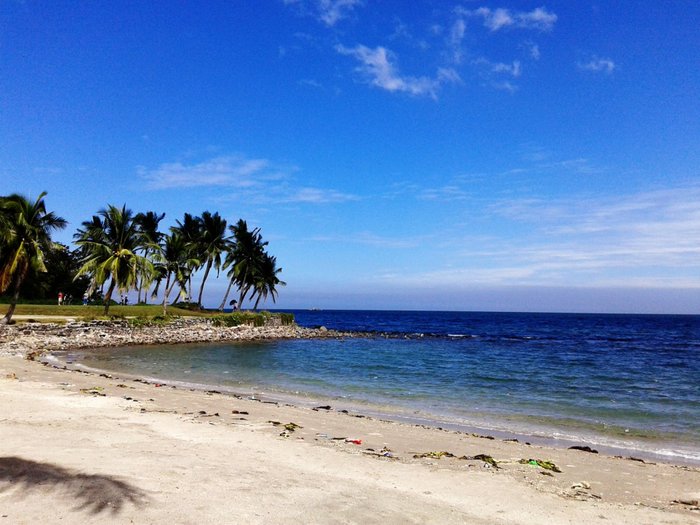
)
(60, 298)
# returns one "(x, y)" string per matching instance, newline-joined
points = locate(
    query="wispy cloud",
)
(256, 180)
(372, 239)
(378, 67)
(539, 161)
(449, 192)
(533, 50)
(316, 196)
(328, 12)
(598, 65)
(455, 40)
(220, 171)
(496, 19)
(650, 234)
(643, 239)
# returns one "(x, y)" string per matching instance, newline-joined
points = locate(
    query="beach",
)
(82, 447)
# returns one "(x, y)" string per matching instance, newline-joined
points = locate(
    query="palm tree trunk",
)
(166, 293)
(13, 302)
(228, 290)
(204, 279)
(244, 289)
(255, 308)
(108, 297)
(244, 292)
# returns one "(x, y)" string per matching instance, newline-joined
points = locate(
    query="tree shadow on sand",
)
(93, 493)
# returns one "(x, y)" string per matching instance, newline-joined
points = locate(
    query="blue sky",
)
(412, 155)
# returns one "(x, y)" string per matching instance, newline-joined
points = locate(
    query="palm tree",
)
(111, 242)
(214, 243)
(246, 250)
(266, 280)
(25, 237)
(172, 263)
(148, 224)
(191, 230)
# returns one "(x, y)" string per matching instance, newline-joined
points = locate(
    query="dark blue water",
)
(628, 382)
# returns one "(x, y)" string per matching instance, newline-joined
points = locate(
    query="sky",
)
(424, 155)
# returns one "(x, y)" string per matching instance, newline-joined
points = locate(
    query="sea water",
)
(622, 383)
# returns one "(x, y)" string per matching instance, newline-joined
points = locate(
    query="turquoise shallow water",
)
(617, 382)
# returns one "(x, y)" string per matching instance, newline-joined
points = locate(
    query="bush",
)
(251, 319)
(143, 321)
(187, 306)
(286, 318)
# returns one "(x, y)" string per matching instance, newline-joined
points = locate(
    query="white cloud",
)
(533, 50)
(450, 192)
(372, 239)
(648, 236)
(494, 72)
(377, 65)
(455, 41)
(512, 69)
(497, 19)
(254, 180)
(596, 64)
(317, 196)
(329, 12)
(220, 171)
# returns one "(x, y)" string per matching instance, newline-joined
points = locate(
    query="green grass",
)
(141, 310)
(141, 314)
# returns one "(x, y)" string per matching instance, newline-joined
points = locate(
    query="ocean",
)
(627, 384)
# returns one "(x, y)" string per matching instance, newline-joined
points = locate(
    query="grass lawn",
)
(90, 311)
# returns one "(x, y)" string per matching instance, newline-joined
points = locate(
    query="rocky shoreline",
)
(31, 338)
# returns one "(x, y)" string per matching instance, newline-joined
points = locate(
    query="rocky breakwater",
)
(31, 338)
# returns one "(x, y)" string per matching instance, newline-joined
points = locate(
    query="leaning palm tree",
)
(172, 264)
(246, 250)
(25, 238)
(111, 242)
(266, 280)
(148, 224)
(191, 231)
(214, 243)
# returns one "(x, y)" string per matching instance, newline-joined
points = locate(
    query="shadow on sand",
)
(93, 493)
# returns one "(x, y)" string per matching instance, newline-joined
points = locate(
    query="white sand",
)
(72, 457)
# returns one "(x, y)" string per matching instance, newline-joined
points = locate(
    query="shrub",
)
(251, 319)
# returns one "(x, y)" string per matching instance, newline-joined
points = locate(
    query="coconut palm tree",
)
(191, 231)
(265, 280)
(214, 243)
(172, 264)
(148, 224)
(247, 249)
(25, 238)
(111, 242)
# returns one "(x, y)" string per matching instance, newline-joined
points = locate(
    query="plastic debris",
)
(540, 463)
(485, 458)
(355, 441)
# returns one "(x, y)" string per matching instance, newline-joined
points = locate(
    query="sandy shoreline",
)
(82, 448)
